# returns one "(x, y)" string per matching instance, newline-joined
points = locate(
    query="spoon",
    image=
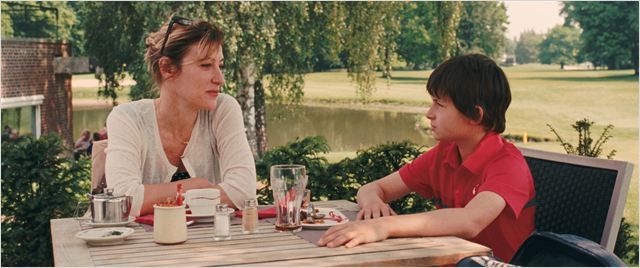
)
(314, 215)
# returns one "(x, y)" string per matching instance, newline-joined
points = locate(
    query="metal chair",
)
(575, 196)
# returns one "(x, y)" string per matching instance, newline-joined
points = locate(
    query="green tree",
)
(482, 28)
(510, 46)
(560, 46)
(528, 47)
(47, 19)
(446, 18)
(609, 31)
(414, 40)
(112, 40)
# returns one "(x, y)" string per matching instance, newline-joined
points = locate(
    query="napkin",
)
(148, 219)
(262, 213)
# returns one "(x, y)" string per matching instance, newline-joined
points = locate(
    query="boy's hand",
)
(374, 210)
(373, 196)
(355, 233)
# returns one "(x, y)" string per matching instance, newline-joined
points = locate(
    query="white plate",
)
(328, 222)
(105, 236)
(111, 224)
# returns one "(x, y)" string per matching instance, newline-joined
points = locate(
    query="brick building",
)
(36, 99)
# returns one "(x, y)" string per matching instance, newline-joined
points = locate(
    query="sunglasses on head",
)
(175, 19)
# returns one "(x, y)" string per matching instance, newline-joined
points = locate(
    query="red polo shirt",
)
(497, 166)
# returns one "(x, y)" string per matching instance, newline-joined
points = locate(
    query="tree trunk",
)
(246, 98)
(261, 119)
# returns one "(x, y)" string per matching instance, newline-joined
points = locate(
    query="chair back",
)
(98, 158)
(579, 195)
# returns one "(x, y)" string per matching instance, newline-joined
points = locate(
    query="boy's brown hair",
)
(474, 80)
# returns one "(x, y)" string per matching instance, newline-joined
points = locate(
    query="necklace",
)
(184, 142)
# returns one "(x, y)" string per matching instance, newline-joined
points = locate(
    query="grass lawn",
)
(541, 94)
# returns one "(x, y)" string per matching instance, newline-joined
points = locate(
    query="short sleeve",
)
(510, 178)
(417, 174)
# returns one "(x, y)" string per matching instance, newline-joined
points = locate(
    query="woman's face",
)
(200, 78)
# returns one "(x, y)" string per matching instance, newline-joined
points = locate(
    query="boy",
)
(479, 182)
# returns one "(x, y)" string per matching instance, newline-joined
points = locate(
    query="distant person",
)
(82, 144)
(103, 132)
(96, 137)
(479, 181)
(192, 134)
(6, 132)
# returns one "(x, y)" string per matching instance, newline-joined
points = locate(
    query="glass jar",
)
(222, 224)
(250, 216)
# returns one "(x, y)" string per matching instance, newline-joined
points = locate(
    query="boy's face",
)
(447, 122)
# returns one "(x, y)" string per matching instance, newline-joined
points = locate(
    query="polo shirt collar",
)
(489, 146)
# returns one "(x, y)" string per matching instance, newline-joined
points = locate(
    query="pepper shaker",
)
(250, 216)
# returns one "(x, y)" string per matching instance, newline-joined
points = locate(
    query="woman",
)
(192, 134)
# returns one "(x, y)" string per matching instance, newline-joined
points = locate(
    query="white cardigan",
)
(218, 151)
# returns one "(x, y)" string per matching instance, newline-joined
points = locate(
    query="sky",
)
(537, 15)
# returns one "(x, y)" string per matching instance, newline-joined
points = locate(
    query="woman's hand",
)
(355, 233)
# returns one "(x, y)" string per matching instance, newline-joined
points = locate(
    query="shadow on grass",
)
(409, 79)
(620, 78)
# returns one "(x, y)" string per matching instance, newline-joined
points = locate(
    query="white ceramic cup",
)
(202, 201)
(169, 224)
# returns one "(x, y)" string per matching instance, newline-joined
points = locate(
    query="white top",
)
(135, 155)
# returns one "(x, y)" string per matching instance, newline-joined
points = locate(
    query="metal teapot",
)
(107, 208)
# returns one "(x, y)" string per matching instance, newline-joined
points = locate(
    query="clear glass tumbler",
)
(288, 183)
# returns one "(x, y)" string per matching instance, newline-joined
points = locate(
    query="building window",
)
(21, 116)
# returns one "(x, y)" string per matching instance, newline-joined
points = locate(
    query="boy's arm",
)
(373, 198)
(465, 222)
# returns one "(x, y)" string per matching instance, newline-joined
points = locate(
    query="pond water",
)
(344, 129)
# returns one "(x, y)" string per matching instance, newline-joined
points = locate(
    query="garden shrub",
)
(343, 179)
(38, 184)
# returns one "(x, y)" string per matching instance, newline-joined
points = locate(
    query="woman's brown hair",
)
(183, 34)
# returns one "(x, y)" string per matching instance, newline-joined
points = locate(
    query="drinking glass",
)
(288, 183)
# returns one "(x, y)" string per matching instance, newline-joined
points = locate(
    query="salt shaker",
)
(250, 216)
(222, 223)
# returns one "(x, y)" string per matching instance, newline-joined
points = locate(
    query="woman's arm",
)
(237, 165)
(123, 167)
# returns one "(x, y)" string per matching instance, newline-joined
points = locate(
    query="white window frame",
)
(34, 101)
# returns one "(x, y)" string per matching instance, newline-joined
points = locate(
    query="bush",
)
(627, 244)
(343, 179)
(38, 184)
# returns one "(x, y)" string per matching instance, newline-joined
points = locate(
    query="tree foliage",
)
(482, 28)
(528, 47)
(33, 19)
(560, 46)
(609, 31)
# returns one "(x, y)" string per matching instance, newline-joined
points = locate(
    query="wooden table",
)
(267, 248)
